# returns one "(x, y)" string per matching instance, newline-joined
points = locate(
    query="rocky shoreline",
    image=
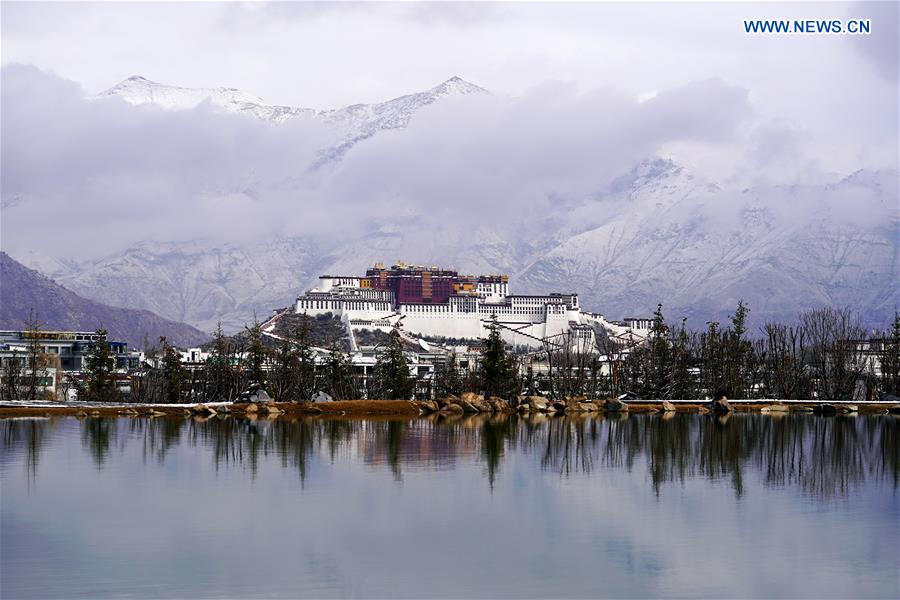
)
(465, 404)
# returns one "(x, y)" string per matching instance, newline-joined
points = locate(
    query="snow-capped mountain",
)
(354, 123)
(657, 234)
(698, 248)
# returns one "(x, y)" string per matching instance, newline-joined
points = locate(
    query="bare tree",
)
(835, 350)
(781, 352)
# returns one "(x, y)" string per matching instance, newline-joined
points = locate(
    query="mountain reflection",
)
(821, 456)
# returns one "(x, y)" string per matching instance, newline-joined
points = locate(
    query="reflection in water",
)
(28, 435)
(823, 456)
(679, 505)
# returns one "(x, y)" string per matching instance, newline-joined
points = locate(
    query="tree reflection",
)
(823, 456)
(25, 436)
(97, 435)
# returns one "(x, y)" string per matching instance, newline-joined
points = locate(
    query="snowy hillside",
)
(698, 249)
(657, 234)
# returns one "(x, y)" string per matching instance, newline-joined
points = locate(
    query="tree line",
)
(290, 372)
(825, 354)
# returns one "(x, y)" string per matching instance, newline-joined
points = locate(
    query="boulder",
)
(615, 405)
(801, 409)
(428, 406)
(253, 394)
(466, 406)
(538, 403)
(321, 397)
(442, 402)
(558, 406)
(668, 406)
(498, 405)
(203, 410)
(469, 396)
(481, 405)
(720, 405)
(452, 409)
(825, 409)
(781, 409)
(251, 408)
(585, 407)
(272, 410)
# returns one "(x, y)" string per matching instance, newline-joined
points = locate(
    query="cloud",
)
(97, 174)
(881, 48)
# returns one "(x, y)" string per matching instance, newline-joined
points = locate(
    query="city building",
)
(63, 356)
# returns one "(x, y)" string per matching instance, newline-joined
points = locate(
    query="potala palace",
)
(439, 303)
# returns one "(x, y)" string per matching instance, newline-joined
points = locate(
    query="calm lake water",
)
(751, 506)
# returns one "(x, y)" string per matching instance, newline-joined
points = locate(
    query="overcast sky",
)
(739, 108)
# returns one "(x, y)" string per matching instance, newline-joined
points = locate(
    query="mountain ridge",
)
(354, 122)
(25, 292)
(657, 234)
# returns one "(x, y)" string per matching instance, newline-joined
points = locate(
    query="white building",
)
(524, 319)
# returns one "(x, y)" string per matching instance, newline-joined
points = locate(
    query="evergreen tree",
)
(100, 386)
(736, 355)
(447, 381)
(306, 363)
(712, 359)
(220, 369)
(683, 384)
(391, 376)
(255, 354)
(499, 375)
(660, 368)
(338, 378)
(173, 373)
(660, 374)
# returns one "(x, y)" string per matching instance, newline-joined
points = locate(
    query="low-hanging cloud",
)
(95, 175)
